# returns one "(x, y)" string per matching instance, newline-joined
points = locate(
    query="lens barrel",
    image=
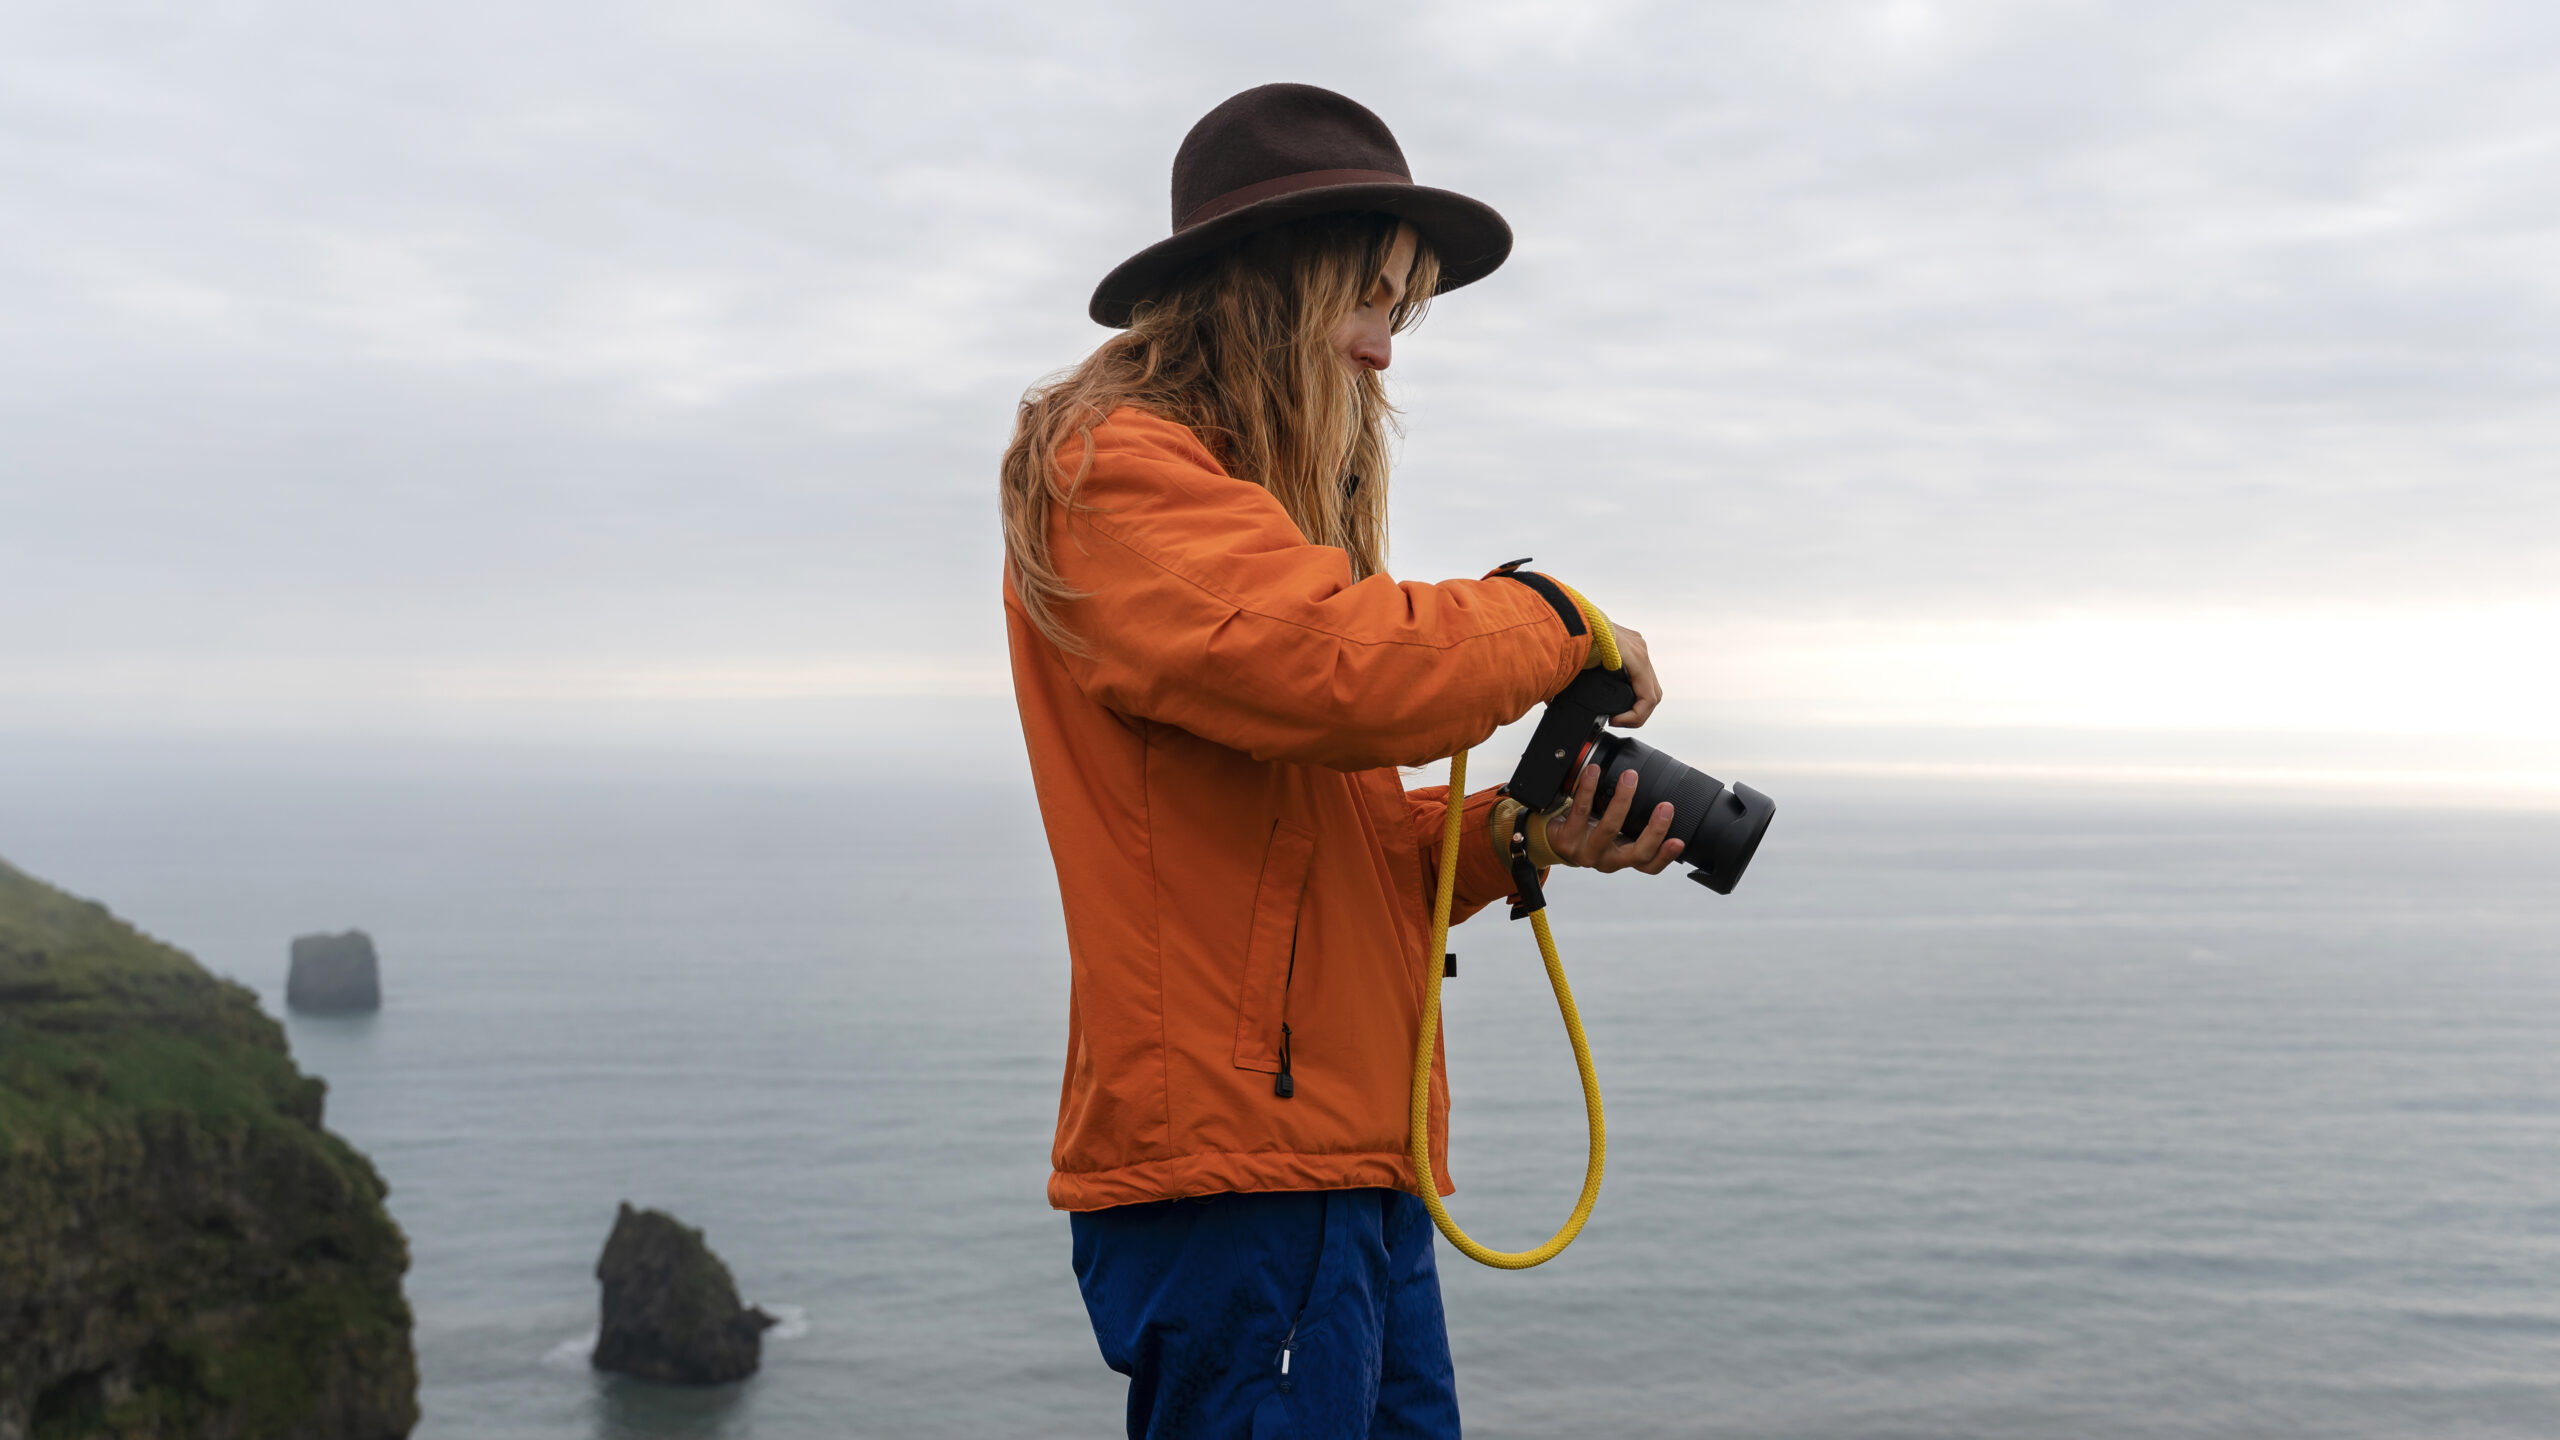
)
(1718, 826)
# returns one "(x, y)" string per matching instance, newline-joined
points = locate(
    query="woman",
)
(1217, 682)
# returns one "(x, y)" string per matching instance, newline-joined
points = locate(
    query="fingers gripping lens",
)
(1718, 825)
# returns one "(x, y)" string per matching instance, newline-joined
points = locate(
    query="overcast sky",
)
(2157, 367)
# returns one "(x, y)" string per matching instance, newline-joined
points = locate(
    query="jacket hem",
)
(1219, 1173)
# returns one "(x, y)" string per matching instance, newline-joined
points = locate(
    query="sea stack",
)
(671, 1310)
(184, 1250)
(334, 974)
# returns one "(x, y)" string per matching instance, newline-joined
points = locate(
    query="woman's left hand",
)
(1578, 839)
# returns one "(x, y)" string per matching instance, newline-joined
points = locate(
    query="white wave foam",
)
(790, 1321)
(572, 1353)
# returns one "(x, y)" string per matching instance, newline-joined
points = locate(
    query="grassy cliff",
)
(184, 1251)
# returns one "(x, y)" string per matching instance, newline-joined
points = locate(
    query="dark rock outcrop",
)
(334, 974)
(671, 1312)
(184, 1251)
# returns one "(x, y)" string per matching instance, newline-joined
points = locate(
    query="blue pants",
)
(1310, 1313)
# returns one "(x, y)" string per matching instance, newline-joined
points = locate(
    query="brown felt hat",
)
(1284, 152)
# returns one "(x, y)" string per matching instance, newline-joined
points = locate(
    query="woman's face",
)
(1366, 337)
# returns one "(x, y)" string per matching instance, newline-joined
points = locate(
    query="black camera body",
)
(1718, 825)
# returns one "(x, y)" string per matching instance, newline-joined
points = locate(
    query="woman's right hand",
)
(1639, 663)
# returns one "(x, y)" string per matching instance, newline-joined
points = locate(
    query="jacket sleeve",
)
(1484, 874)
(1203, 607)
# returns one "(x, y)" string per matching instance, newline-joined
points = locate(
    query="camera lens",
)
(1718, 826)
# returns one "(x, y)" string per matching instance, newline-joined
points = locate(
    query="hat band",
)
(1235, 200)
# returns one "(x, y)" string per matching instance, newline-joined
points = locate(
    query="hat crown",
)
(1272, 131)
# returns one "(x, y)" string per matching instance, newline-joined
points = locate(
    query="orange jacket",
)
(1247, 883)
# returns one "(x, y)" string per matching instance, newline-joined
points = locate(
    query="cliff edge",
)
(184, 1251)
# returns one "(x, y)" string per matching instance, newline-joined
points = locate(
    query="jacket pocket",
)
(1262, 992)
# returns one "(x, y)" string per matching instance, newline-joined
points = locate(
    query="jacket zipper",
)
(1286, 1346)
(1284, 1084)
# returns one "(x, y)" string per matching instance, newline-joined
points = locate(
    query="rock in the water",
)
(671, 1312)
(334, 974)
(184, 1251)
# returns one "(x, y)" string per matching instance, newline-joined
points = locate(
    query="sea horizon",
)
(1974, 1112)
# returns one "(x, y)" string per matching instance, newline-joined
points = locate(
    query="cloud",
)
(2450, 671)
(647, 337)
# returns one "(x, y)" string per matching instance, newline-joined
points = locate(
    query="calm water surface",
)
(1976, 1118)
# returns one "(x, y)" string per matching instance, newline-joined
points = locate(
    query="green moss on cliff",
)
(184, 1251)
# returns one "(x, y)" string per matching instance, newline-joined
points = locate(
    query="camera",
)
(1718, 825)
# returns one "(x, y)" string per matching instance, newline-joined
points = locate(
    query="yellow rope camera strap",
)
(1418, 1143)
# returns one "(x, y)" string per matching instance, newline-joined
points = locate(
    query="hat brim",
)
(1468, 236)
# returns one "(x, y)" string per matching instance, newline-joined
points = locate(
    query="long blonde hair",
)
(1239, 349)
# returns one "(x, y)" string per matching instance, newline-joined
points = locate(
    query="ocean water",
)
(1969, 1115)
